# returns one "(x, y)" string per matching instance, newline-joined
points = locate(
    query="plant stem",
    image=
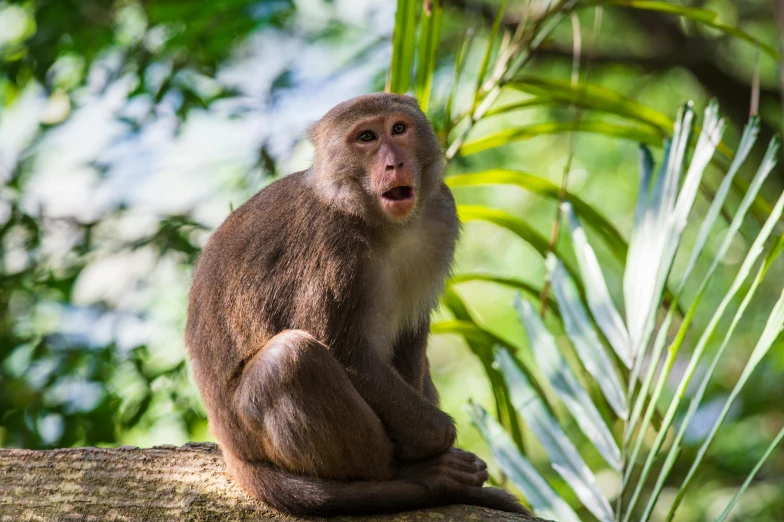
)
(510, 69)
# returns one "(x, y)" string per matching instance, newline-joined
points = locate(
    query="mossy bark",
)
(162, 483)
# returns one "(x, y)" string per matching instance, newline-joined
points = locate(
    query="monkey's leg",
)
(326, 451)
(306, 414)
(453, 477)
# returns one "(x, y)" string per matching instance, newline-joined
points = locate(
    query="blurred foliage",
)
(61, 40)
(533, 394)
(81, 367)
(57, 388)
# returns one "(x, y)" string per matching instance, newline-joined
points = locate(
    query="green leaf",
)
(645, 135)
(599, 301)
(469, 330)
(666, 218)
(635, 269)
(507, 221)
(748, 480)
(747, 141)
(403, 44)
(544, 501)
(694, 13)
(594, 97)
(528, 288)
(651, 257)
(483, 351)
(563, 455)
(429, 33)
(586, 342)
(459, 65)
(507, 136)
(565, 383)
(702, 16)
(499, 17)
(743, 35)
(482, 341)
(773, 329)
(517, 226)
(549, 190)
(694, 405)
(530, 103)
(754, 252)
(710, 136)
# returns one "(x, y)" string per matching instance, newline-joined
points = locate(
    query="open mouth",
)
(398, 202)
(401, 193)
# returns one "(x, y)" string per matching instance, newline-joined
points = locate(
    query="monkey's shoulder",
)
(286, 218)
(283, 242)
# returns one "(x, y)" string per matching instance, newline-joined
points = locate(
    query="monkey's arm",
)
(430, 388)
(416, 426)
(411, 361)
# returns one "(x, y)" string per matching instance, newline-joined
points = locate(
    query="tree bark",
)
(161, 483)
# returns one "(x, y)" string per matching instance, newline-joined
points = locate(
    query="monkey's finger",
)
(479, 463)
(480, 477)
(476, 478)
(467, 459)
(457, 453)
(466, 465)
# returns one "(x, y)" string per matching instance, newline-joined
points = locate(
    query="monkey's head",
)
(376, 157)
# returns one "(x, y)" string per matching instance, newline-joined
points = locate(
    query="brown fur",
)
(308, 324)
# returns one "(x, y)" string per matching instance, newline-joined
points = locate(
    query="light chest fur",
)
(407, 278)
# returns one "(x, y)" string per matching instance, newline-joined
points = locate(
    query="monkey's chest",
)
(406, 287)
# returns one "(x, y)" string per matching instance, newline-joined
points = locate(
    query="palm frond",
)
(602, 307)
(587, 96)
(403, 47)
(503, 137)
(565, 458)
(549, 190)
(663, 208)
(702, 16)
(620, 345)
(542, 498)
(586, 342)
(429, 32)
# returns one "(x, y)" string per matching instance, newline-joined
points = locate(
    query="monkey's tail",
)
(303, 496)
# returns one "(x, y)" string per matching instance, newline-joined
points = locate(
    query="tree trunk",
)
(162, 483)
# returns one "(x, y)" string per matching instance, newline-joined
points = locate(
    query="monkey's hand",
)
(429, 435)
(457, 476)
(416, 427)
(449, 471)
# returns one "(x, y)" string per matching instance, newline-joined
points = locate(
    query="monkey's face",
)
(377, 157)
(386, 146)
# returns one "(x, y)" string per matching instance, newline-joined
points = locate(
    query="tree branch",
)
(161, 483)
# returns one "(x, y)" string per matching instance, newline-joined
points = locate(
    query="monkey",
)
(308, 320)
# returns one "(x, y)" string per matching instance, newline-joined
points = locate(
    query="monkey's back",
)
(280, 261)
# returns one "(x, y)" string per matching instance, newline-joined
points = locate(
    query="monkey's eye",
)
(398, 128)
(366, 137)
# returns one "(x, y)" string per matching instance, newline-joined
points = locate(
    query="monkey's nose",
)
(393, 167)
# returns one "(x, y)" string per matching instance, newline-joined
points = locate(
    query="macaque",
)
(308, 323)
